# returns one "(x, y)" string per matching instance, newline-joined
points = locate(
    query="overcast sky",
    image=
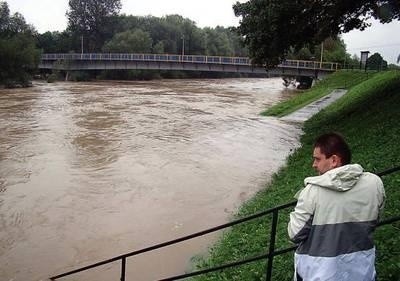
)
(49, 15)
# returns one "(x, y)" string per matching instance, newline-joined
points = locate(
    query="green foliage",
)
(52, 78)
(158, 48)
(376, 62)
(55, 42)
(302, 54)
(368, 117)
(131, 41)
(364, 95)
(171, 32)
(334, 50)
(218, 42)
(18, 54)
(393, 66)
(340, 79)
(272, 27)
(12, 24)
(93, 19)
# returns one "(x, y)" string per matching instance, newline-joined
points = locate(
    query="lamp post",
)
(322, 54)
(183, 45)
(81, 44)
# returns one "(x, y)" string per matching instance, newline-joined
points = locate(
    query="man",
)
(335, 216)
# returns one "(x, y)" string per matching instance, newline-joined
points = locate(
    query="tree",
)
(55, 42)
(272, 27)
(218, 43)
(158, 48)
(304, 53)
(376, 62)
(93, 19)
(13, 24)
(393, 66)
(334, 50)
(18, 53)
(131, 41)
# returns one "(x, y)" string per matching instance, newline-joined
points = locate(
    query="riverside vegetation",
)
(368, 117)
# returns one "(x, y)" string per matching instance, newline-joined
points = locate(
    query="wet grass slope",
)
(340, 79)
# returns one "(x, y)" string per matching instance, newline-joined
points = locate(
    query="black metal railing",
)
(269, 255)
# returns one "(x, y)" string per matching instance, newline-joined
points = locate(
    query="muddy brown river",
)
(89, 171)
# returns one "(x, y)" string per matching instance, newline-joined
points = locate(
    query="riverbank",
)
(337, 80)
(368, 117)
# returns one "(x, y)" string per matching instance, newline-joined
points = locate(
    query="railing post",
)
(272, 244)
(123, 268)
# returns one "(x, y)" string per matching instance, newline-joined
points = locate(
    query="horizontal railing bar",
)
(207, 231)
(388, 221)
(232, 264)
(217, 268)
(148, 57)
(85, 268)
(389, 171)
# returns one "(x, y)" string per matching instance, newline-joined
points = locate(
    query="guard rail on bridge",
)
(269, 256)
(86, 61)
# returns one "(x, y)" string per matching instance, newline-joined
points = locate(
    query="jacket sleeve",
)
(301, 219)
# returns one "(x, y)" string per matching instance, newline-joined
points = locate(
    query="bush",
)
(52, 78)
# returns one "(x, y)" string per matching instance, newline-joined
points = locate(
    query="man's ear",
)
(336, 161)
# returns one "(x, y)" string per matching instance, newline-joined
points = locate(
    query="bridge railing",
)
(300, 64)
(268, 256)
(149, 57)
(310, 64)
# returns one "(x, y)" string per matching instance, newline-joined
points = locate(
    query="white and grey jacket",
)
(333, 222)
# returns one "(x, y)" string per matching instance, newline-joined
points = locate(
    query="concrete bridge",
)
(110, 61)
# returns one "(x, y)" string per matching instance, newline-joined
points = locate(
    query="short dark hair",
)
(334, 143)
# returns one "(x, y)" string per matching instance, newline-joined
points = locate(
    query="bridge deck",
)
(186, 58)
(177, 62)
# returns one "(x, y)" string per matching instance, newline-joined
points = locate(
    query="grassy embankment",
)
(341, 79)
(368, 116)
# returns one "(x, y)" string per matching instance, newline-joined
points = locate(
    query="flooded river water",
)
(89, 171)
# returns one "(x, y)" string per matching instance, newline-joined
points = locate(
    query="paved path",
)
(309, 110)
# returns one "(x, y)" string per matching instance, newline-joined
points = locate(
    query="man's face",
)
(322, 164)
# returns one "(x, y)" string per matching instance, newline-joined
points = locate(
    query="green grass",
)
(368, 116)
(340, 79)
